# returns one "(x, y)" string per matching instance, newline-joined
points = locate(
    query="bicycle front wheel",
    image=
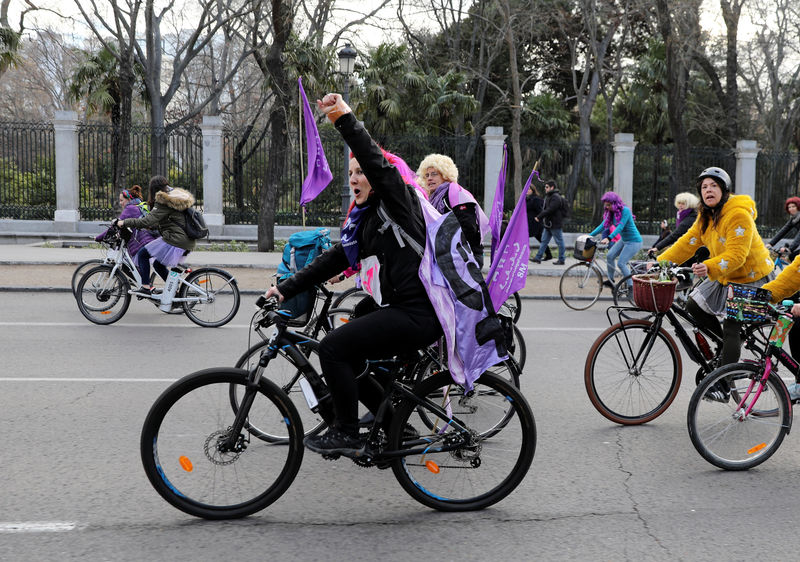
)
(455, 468)
(743, 430)
(213, 297)
(286, 374)
(102, 295)
(349, 298)
(632, 372)
(580, 286)
(519, 352)
(184, 452)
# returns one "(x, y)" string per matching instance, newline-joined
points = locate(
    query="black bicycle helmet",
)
(718, 175)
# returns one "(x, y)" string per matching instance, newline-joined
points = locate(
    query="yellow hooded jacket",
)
(738, 254)
(786, 283)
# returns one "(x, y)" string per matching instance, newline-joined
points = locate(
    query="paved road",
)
(74, 396)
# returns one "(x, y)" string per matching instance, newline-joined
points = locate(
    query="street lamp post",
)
(347, 61)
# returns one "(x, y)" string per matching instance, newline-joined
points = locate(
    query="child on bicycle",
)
(172, 247)
(726, 226)
(405, 319)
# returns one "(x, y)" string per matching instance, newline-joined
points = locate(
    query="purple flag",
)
(496, 216)
(509, 270)
(319, 174)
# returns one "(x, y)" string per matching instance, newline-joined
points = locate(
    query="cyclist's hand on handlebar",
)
(652, 252)
(336, 278)
(700, 269)
(273, 292)
(604, 241)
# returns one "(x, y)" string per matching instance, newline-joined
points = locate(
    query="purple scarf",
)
(439, 195)
(683, 214)
(349, 235)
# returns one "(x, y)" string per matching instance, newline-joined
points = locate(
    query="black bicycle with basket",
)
(633, 369)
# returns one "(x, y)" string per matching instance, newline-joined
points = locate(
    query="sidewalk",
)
(33, 267)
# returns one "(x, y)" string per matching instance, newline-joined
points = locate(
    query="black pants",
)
(729, 332)
(143, 263)
(381, 334)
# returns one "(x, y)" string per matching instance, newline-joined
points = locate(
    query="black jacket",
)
(793, 222)
(534, 205)
(398, 266)
(680, 229)
(552, 216)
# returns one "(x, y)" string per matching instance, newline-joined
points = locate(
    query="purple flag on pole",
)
(319, 173)
(509, 270)
(496, 216)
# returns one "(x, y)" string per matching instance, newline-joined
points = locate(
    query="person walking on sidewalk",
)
(534, 204)
(552, 219)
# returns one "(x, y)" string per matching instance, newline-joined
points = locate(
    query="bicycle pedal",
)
(331, 457)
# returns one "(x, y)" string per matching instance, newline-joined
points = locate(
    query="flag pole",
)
(300, 145)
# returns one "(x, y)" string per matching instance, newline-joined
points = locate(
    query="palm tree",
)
(9, 45)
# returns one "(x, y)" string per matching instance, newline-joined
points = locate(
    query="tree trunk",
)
(282, 21)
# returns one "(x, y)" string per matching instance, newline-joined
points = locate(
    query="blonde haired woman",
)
(687, 204)
(439, 176)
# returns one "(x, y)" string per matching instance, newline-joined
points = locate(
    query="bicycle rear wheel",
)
(519, 352)
(286, 374)
(632, 374)
(81, 270)
(580, 286)
(723, 433)
(214, 297)
(478, 471)
(349, 298)
(102, 295)
(182, 446)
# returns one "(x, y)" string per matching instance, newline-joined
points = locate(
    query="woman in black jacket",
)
(405, 320)
(792, 206)
(687, 204)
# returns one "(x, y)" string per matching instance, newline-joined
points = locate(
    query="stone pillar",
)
(65, 126)
(493, 141)
(212, 174)
(624, 145)
(746, 153)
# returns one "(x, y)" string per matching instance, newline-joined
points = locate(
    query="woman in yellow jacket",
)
(783, 287)
(726, 226)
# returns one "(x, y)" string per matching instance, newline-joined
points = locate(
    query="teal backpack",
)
(301, 249)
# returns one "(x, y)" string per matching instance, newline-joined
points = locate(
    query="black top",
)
(680, 229)
(793, 222)
(552, 216)
(399, 266)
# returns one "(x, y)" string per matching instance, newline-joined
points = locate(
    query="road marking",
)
(37, 527)
(78, 379)
(147, 325)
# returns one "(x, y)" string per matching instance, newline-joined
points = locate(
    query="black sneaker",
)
(608, 284)
(535, 260)
(717, 394)
(558, 262)
(334, 441)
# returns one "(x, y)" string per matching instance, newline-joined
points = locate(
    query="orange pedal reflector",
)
(756, 449)
(203, 281)
(105, 312)
(432, 466)
(186, 464)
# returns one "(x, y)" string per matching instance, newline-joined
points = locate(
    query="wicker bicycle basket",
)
(747, 304)
(651, 294)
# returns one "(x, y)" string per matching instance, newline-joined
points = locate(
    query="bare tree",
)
(728, 96)
(678, 24)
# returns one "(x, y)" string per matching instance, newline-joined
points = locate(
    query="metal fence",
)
(655, 188)
(556, 162)
(97, 162)
(245, 162)
(27, 171)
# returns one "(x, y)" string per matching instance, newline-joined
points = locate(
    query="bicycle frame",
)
(288, 341)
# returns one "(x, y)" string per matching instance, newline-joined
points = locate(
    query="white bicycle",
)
(208, 296)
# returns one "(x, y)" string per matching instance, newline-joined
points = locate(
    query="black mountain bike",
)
(451, 448)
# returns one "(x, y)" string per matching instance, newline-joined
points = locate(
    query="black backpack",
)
(565, 210)
(195, 224)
